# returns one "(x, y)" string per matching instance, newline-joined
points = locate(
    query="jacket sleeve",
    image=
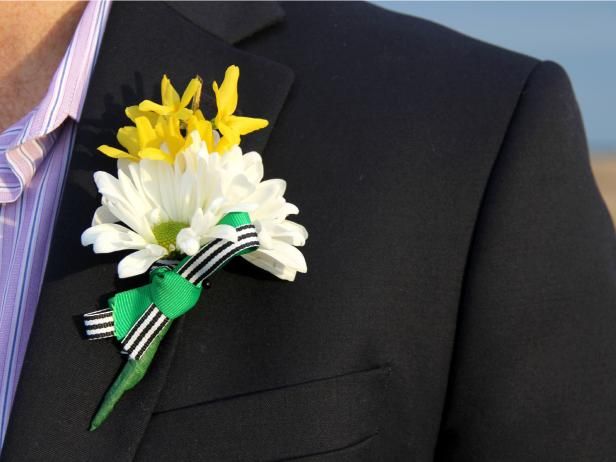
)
(533, 374)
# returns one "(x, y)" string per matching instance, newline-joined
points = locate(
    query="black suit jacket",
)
(460, 299)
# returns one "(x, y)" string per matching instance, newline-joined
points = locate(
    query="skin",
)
(33, 38)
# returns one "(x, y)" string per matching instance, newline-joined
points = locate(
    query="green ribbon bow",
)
(171, 293)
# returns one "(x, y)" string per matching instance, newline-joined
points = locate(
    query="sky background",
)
(581, 36)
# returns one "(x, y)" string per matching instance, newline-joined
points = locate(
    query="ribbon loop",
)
(173, 294)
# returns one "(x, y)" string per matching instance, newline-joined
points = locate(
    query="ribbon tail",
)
(131, 374)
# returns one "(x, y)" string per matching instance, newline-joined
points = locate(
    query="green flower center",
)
(165, 233)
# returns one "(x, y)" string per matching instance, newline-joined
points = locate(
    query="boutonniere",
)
(185, 200)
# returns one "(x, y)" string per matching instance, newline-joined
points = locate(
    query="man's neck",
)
(33, 39)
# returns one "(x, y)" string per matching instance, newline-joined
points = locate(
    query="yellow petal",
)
(232, 136)
(147, 135)
(183, 146)
(155, 154)
(199, 115)
(159, 127)
(168, 94)
(116, 153)
(147, 105)
(223, 146)
(183, 113)
(204, 127)
(175, 145)
(245, 125)
(194, 87)
(167, 126)
(226, 95)
(128, 137)
(207, 134)
(132, 112)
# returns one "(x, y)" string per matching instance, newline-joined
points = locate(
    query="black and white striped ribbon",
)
(99, 324)
(143, 332)
(196, 269)
(217, 253)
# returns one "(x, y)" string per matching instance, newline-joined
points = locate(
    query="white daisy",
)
(167, 211)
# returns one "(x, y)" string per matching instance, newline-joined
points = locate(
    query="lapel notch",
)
(230, 21)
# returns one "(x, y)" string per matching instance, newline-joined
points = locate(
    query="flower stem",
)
(130, 375)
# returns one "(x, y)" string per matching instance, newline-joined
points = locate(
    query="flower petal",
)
(116, 153)
(193, 87)
(138, 262)
(188, 241)
(290, 232)
(151, 106)
(283, 260)
(226, 95)
(111, 237)
(103, 215)
(145, 132)
(168, 94)
(253, 166)
(225, 232)
(246, 125)
(127, 137)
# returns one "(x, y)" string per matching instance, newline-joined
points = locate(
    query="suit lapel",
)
(64, 377)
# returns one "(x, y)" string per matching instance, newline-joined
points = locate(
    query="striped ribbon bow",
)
(136, 317)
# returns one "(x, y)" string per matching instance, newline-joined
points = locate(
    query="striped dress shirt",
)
(34, 157)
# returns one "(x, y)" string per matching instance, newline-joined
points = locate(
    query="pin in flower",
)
(186, 200)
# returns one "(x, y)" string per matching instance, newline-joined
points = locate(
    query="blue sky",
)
(581, 36)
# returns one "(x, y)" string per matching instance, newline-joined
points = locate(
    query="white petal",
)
(272, 205)
(133, 218)
(138, 262)
(233, 155)
(288, 231)
(253, 166)
(238, 188)
(188, 241)
(270, 265)
(123, 164)
(226, 232)
(103, 215)
(241, 207)
(265, 237)
(283, 260)
(89, 236)
(287, 209)
(201, 222)
(267, 190)
(285, 231)
(109, 237)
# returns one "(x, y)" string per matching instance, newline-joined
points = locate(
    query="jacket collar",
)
(64, 377)
(230, 21)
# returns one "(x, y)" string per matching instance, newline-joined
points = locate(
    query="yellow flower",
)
(163, 130)
(231, 126)
(198, 122)
(170, 137)
(172, 104)
(143, 141)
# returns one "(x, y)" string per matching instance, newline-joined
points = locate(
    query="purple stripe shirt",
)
(34, 158)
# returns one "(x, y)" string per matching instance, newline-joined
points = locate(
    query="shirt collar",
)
(24, 145)
(66, 92)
